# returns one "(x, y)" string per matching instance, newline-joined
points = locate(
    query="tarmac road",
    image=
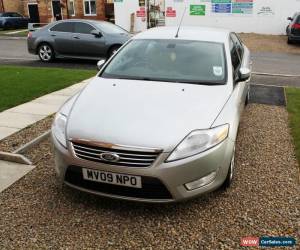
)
(14, 52)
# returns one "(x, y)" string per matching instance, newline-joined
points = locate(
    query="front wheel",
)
(247, 98)
(229, 176)
(46, 53)
(112, 51)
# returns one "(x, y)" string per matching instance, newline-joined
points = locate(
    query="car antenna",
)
(176, 36)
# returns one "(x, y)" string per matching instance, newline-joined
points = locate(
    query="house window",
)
(72, 8)
(90, 8)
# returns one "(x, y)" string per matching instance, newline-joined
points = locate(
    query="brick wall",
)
(79, 11)
(12, 5)
(1, 6)
(46, 12)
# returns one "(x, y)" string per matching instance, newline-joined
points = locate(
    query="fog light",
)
(201, 182)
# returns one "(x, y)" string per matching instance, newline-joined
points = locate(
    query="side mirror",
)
(244, 74)
(96, 33)
(290, 19)
(100, 64)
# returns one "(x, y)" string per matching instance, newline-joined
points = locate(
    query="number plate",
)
(112, 178)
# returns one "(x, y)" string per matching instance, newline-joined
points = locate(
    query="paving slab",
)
(6, 131)
(11, 172)
(35, 108)
(19, 117)
(18, 120)
(51, 99)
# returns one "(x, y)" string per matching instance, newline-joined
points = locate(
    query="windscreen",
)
(169, 60)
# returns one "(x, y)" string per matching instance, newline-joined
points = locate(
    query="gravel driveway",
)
(263, 201)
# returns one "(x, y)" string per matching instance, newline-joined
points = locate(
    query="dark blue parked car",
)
(10, 20)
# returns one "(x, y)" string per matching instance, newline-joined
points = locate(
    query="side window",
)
(16, 15)
(63, 27)
(235, 59)
(238, 44)
(298, 20)
(83, 28)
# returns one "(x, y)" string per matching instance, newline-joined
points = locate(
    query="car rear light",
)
(29, 35)
(296, 26)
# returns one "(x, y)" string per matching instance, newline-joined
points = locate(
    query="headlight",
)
(198, 141)
(59, 128)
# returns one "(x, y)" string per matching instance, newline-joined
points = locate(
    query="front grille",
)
(152, 188)
(128, 158)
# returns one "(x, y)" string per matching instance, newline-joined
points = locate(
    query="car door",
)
(244, 56)
(87, 44)
(23, 20)
(10, 20)
(17, 19)
(239, 87)
(61, 37)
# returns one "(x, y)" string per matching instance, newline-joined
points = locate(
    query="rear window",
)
(63, 27)
(110, 28)
(15, 15)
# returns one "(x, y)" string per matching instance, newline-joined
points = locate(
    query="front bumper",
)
(295, 38)
(172, 176)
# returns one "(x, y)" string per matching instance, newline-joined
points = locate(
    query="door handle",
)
(76, 37)
(53, 35)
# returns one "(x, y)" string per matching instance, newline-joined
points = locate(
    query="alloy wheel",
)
(45, 53)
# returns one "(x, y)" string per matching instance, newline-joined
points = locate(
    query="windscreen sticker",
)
(218, 71)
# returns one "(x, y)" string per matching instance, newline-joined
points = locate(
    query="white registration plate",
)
(112, 178)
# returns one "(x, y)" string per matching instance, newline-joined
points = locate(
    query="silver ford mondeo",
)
(159, 121)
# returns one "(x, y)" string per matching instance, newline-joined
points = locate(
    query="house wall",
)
(265, 16)
(123, 11)
(1, 6)
(79, 10)
(46, 11)
(12, 5)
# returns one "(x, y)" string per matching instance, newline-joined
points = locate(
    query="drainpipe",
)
(3, 5)
(67, 9)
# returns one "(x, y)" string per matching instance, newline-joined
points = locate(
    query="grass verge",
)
(22, 33)
(293, 107)
(22, 84)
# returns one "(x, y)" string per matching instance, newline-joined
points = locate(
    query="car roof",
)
(186, 33)
(82, 20)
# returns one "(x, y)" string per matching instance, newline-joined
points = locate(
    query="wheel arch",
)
(112, 46)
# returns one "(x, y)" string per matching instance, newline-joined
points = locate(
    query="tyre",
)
(247, 98)
(112, 50)
(46, 53)
(229, 176)
(289, 41)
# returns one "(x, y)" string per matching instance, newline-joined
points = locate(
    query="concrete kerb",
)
(12, 157)
(32, 143)
(17, 157)
(12, 38)
(270, 74)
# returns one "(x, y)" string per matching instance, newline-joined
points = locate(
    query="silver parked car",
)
(160, 120)
(84, 39)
